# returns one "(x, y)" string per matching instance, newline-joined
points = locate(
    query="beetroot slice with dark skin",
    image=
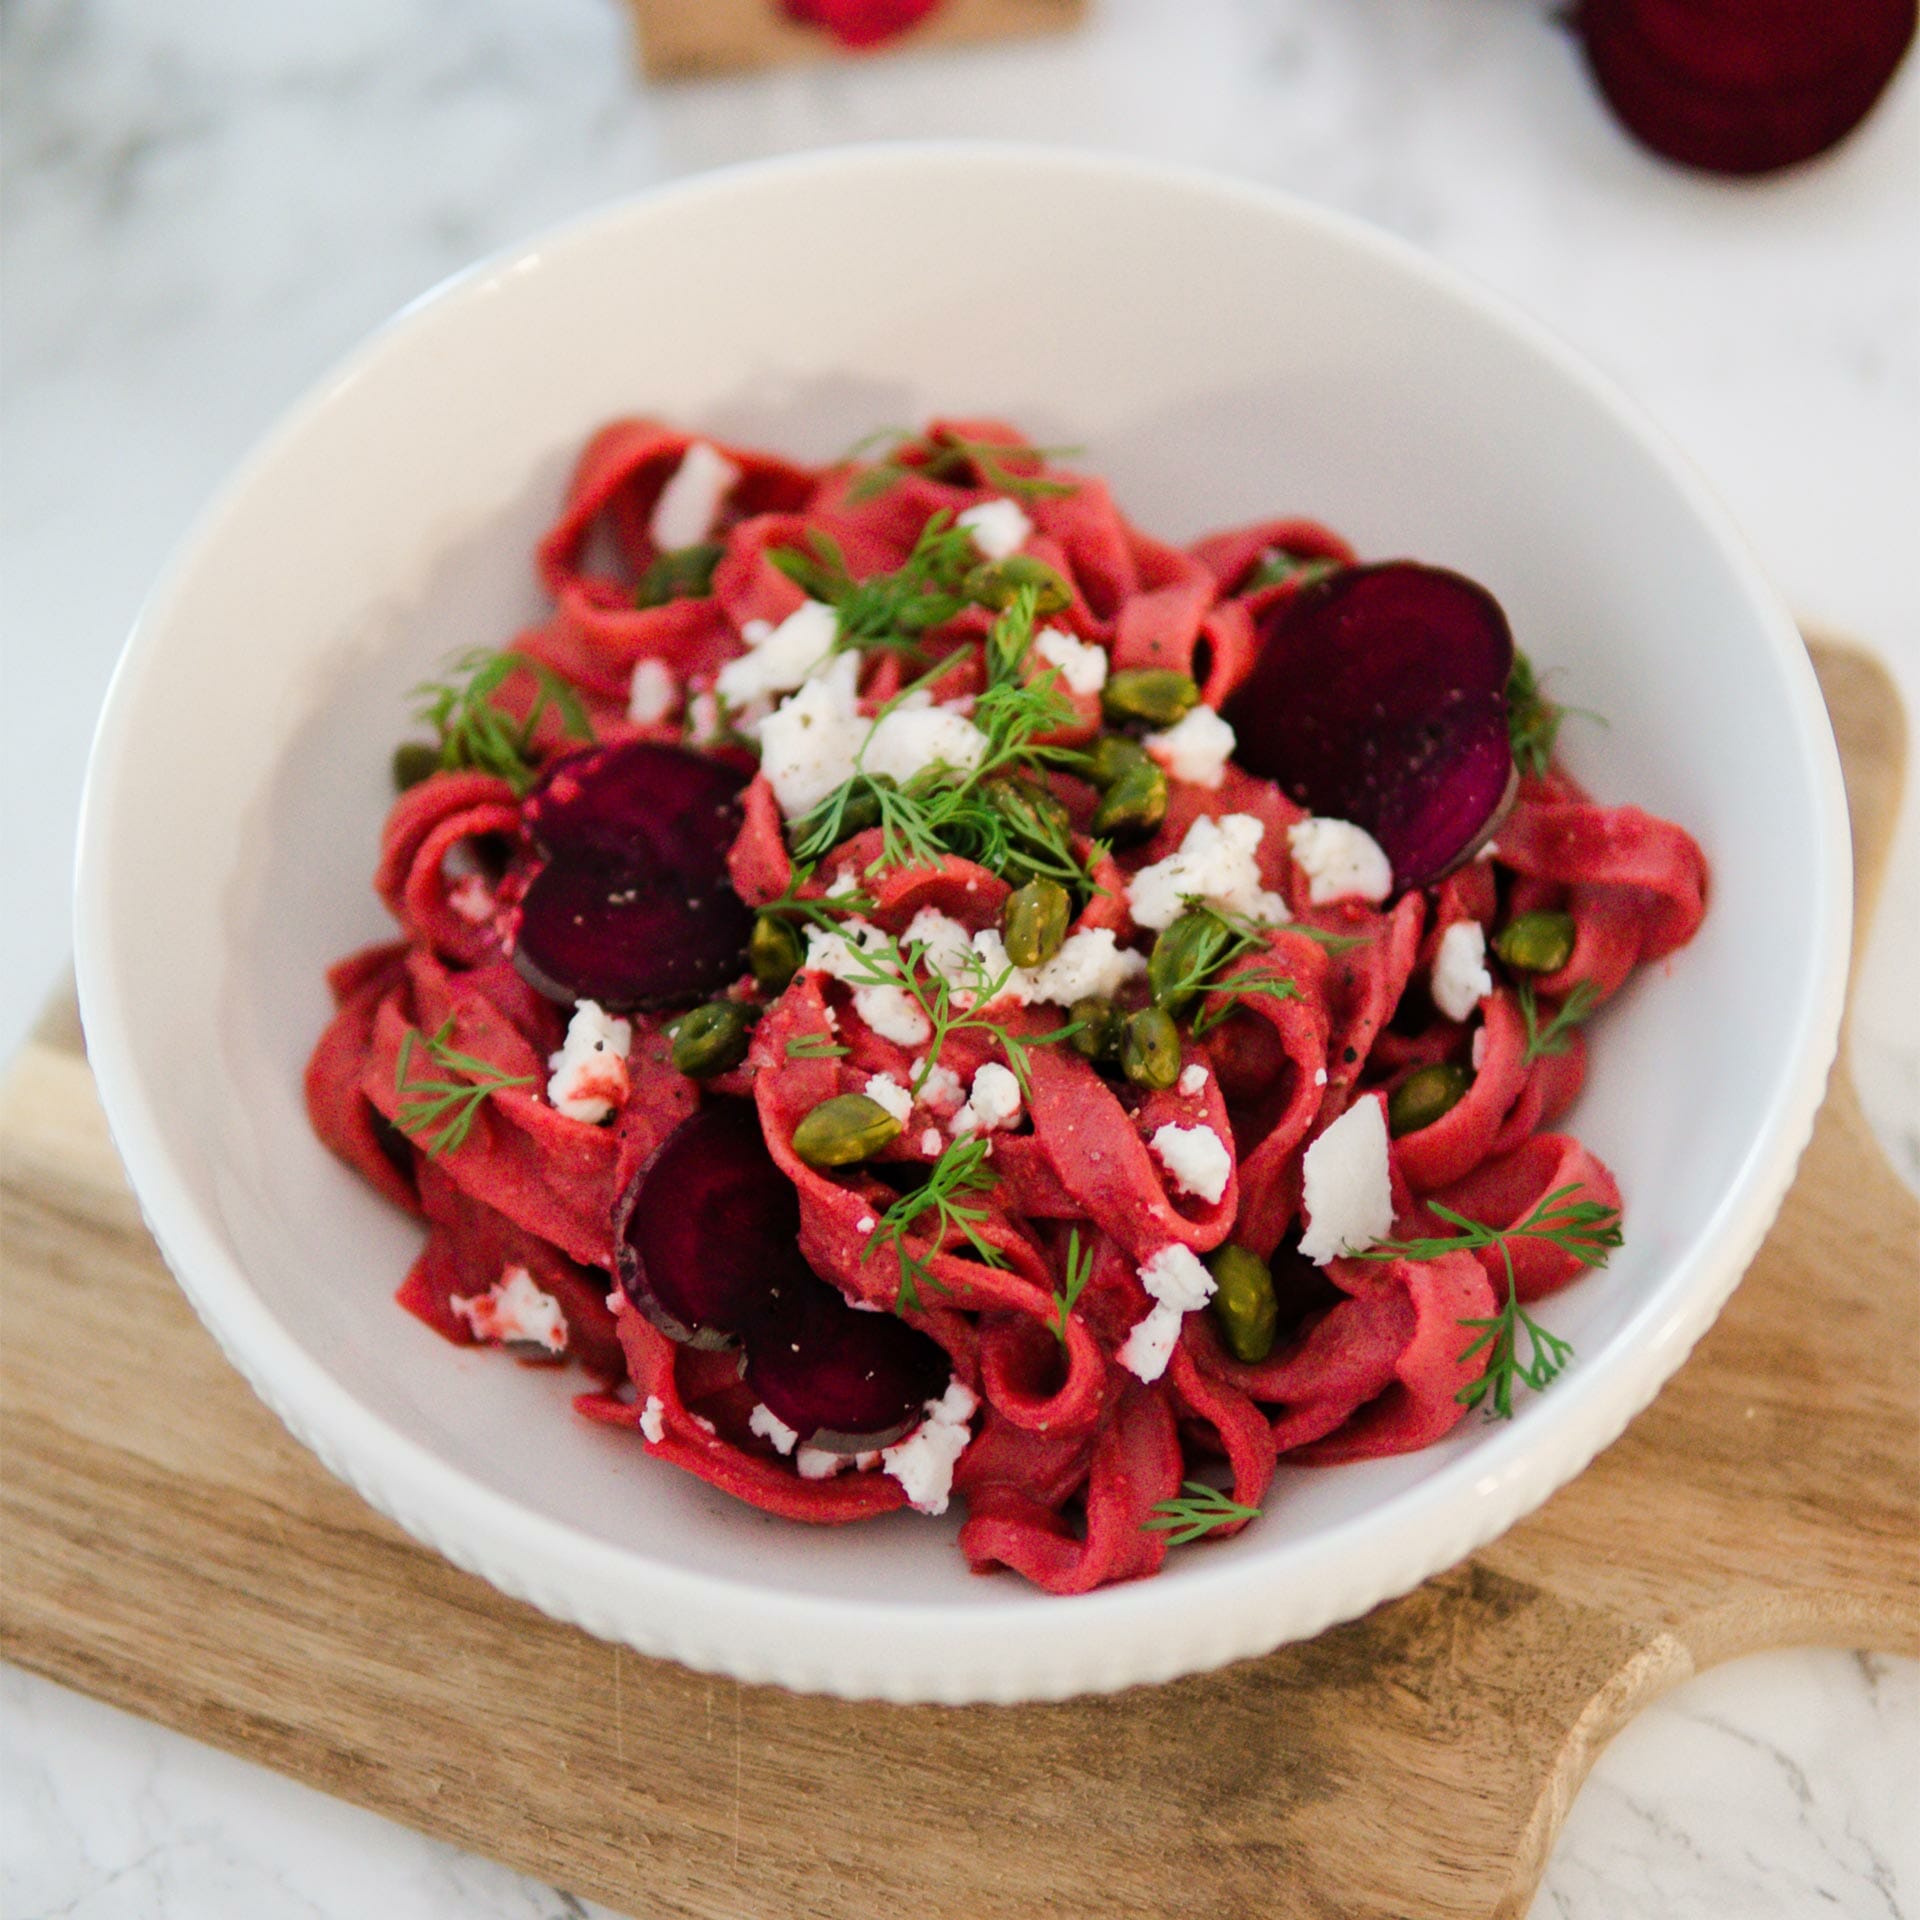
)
(1743, 86)
(844, 1380)
(706, 1246)
(591, 929)
(1379, 697)
(705, 1236)
(633, 907)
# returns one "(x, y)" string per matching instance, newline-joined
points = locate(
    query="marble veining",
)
(205, 205)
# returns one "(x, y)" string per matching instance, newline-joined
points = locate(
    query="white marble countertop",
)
(204, 205)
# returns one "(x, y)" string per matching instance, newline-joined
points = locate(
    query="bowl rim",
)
(937, 1651)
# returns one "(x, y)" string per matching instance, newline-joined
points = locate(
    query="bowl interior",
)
(1219, 355)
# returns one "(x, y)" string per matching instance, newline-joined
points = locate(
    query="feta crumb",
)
(1349, 1194)
(865, 1224)
(1460, 977)
(472, 899)
(1479, 1053)
(769, 1426)
(653, 692)
(1089, 962)
(909, 740)
(653, 1419)
(931, 1143)
(1178, 1283)
(940, 1087)
(1196, 1157)
(923, 1462)
(949, 946)
(816, 1463)
(887, 1092)
(1083, 666)
(808, 743)
(514, 1311)
(589, 1073)
(843, 952)
(1341, 861)
(1150, 1343)
(690, 501)
(781, 660)
(999, 528)
(1214, 863)
(1196, 748)
(1319, 1076)
(1193, 1080)
(993, 1102)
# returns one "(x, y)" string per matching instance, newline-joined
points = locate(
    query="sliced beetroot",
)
(633, 907)
(844, 1380)
(705, 1236)
(1743, 86)
(706, 1246)
(667, 807)
(592, 930)
(1379, 696)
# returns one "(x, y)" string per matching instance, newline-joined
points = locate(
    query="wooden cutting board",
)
(170, 1549)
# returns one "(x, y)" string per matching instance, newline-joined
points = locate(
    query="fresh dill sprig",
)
(949, 456)
(1201, 1510)
(1277, 565)
(1585, 1229)
(1079, 1272)
(1557, 1035)
(886, 610)
(474, 733)
(822, 909)
(440, 1113)
(815, 1046)
(942, 1207)
(1533, 720)
(1225, 939)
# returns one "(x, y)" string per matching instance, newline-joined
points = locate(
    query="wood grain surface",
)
(686, 39)
(169, 1548)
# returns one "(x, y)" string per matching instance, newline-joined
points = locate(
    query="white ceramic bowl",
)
(1221, 353)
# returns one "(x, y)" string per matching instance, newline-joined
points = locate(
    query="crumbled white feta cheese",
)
(1479, 1053)
(1341, 861)
(653, 692)
(865, 1224)
(816, 1463)
(1193, 1080)
(1089, 962)
(1196, 748)
(1349, 1193)
(909, 740)
(1214, 863)
(999, 528)
(1083, 666)
(690, 501)
(1196, 1157)
(923, 1462)
(769, 1426)
(514, 1311)
(931, 1143)
(993, 1102)
(1178, 1283)
(472, 899)
(1460, 977)
(589, 1073)
(846, 953)
(782, 659)
(949, 946)
(808, 743)
(940, 1087)
(653, 1419)
(887, 1092)
(1319, 1076)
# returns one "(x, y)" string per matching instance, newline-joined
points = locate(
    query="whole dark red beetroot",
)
(1379, 697)
(1743, 86)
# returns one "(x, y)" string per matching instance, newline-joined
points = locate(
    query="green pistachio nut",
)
(1150, 1048)
(1244, 1305)
(1421, 1098)
(840, 1131)
(1112, 755)
(1097, 1025)
(995, 583)
(1036, 822)
(684, 574)
(1181, 954)
(1035, 921)
(774, 951)
(712, 1038)
(413, 761)
(1536, 942)
(1157, 695)
(1134, 805)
